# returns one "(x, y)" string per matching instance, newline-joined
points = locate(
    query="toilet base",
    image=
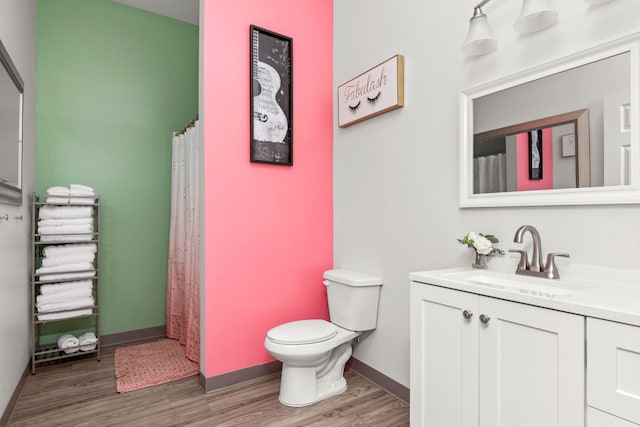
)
(303, 386)
(329, 391)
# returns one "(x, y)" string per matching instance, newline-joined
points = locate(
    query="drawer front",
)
(613, 368)
(596, 418)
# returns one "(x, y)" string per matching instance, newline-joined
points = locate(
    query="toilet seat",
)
(303, 332)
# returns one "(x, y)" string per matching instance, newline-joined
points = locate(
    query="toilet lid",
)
(303, 332)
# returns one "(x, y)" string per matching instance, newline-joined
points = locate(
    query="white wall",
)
(18, 34)
(564, 168)
(396, 175)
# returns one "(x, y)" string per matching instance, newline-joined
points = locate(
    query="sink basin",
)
(517, 283)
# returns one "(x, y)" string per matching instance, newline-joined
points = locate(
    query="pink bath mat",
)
(149, 364)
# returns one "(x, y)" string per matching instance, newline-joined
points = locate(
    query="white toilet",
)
(313, 352)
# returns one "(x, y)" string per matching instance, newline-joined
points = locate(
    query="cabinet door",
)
(613, 368)
(596, 418)
(444, 357)
(531, 366)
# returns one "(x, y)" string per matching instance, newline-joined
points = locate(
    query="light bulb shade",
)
(597, 2)
(479, 39)
(535, 15)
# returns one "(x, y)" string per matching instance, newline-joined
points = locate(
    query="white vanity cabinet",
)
(613, 374)
(478, 361)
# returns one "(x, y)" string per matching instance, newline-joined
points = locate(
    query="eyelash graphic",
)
(374, 99)
(353, 108)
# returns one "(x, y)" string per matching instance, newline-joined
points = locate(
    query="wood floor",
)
(83, 393)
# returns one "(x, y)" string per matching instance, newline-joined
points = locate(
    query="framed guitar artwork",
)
(271, 98)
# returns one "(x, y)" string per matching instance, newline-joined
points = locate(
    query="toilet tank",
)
(353, 299)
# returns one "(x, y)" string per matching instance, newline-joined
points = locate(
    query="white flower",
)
(482, 245)
(472, 235)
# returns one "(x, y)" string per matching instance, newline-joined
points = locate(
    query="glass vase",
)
(479, 261)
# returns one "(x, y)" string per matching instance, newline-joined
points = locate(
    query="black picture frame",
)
(271, 97)
(535, 154)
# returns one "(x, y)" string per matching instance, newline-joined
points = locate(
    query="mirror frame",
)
(621, 194)
(10, 192)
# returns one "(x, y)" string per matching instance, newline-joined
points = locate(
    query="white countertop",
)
(601, 292)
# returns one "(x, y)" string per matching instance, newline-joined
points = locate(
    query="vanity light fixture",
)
(535, 15)
(479, 39)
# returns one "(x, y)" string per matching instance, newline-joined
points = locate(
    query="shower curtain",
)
(490, 174)
(183, 278)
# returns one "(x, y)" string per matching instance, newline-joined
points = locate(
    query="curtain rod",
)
(191, 123)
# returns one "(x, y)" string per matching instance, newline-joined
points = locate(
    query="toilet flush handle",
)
(326, 282)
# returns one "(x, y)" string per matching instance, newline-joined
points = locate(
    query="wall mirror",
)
(561, 133)
(11, 98)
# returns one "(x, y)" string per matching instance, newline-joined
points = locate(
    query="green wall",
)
(113, 83)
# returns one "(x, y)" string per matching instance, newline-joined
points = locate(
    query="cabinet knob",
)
(484, 318)
(467, 314)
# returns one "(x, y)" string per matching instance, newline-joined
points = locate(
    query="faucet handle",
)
(550, 267)
(524, 261)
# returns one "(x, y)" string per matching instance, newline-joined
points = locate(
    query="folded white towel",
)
(82, 193)
(58, 200)
(65, 212)
(68, 343)
(82, 200)
(59, 238)
(70, 221)
(68, 259)
(63, 296)
(66, 229)
(80, 187)
(64, 314)
(66, 276)
(58, 191)
(77, 199)
(88, 341)
(80, 266)
(74, 248)
(65, 305)
(61, 288)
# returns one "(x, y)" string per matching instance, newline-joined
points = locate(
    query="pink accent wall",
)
(522, 155)
(268, 229)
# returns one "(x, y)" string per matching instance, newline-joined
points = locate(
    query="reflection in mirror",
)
(586, 88)
(560, 133)
(508, 159)
(11, 96)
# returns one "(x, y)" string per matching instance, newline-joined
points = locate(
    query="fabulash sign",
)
(373, 92)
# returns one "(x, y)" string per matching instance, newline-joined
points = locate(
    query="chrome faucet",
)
(536, 267)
